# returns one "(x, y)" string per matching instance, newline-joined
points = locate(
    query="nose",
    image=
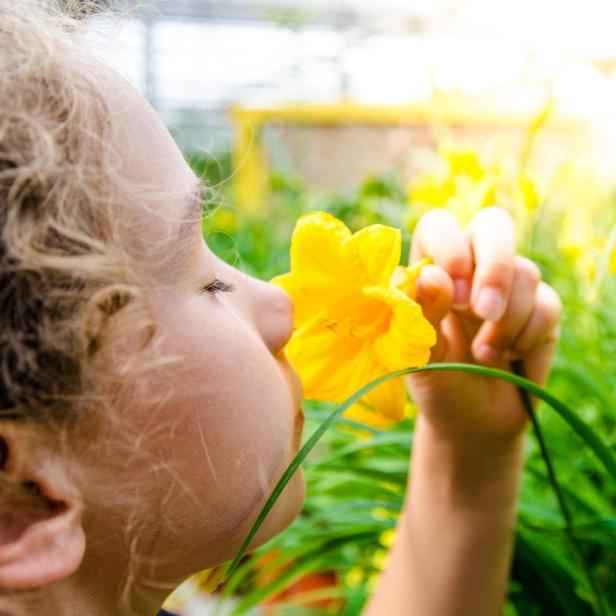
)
(267, 308)
(274, 317)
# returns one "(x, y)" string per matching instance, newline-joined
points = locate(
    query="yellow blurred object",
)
(578, 240)
(207, 580)
(379, 559)
(355, 577)
(410, 409)
(466, 183)
(373, 582)
(223, 219)
(388, 538)
(381, 513)
(251, 165)
(583, 196)
(367, 415)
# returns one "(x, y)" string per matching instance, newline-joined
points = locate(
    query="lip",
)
(295, 384)
(297, 391)
(298, 427)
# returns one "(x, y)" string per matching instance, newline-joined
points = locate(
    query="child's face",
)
(206, 443)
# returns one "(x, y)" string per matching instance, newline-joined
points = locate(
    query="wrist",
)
(471, 445)
(474, 472)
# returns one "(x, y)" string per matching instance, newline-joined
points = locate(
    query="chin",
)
(287, 508)
(289, 504)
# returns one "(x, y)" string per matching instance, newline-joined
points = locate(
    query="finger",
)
(543, 322)
(439, 236)
(493, 242)
(493, 339)
(538, 361)
(435, 294)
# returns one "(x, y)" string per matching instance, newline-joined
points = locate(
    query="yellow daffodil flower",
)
(354, 312)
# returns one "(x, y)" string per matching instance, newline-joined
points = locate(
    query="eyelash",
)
(218, 286)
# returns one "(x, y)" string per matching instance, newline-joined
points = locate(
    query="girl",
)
(147, 408)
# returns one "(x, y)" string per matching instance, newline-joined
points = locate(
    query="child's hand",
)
(488, 306)
(455, 536)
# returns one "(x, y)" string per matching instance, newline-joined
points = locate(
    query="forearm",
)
(455, 538)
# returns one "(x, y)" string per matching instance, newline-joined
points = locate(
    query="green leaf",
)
(583, 431)
(548, 576)
(401, 440)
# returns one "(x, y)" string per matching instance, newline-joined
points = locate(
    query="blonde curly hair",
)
(64, 274)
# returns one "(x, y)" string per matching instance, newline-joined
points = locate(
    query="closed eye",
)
(217, 286)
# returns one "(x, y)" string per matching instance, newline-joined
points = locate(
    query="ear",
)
(41, 536)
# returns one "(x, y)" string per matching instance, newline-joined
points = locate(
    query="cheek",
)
(230, 415)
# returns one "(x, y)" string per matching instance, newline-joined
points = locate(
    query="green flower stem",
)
(585, 433)
(579, 427)
(518, 368)
(300, 457)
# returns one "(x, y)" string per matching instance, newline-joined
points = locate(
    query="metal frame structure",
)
(340, 14)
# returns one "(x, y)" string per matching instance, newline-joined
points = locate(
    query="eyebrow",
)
(184, 237)
(193, 211)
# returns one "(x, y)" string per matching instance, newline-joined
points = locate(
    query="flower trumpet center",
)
(370, 321)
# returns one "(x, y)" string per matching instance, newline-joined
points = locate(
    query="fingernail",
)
(461, 293)
(490, 304)
(485, 354)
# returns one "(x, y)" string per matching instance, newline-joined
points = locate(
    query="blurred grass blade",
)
(580, 428)
(596, 597)
(549, 576)
(381, 440)
(604, 262)
(599, 531)
(301, 455)
(589, 382)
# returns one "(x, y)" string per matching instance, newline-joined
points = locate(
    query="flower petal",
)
(367, 415)
(320, 255)
(389, 399)
(306, 305)
(378, 248)
(352, 323)
(409, 337)
(331, 366)
(405, 277)
(325, 272)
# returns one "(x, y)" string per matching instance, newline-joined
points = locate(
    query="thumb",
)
(435, 296)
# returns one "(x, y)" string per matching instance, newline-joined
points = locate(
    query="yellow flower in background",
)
(468, 182)
(355, 577)
(579, 241)
(388, 538)
(584, 197)
(355, 314)
(462, 187)
(587, 248)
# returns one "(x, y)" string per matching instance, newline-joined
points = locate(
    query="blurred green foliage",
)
(357, 475)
